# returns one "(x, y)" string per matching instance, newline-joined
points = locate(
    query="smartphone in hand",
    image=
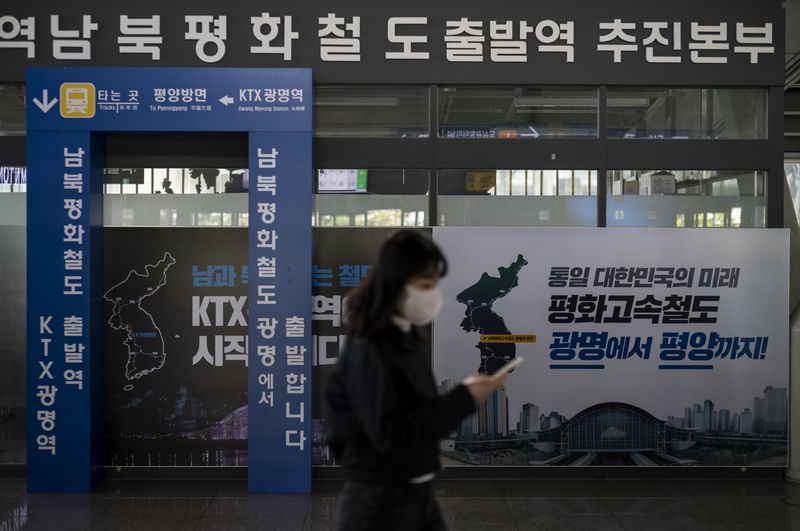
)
(511, 365)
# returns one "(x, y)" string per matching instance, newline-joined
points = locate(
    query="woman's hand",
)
(480, 386)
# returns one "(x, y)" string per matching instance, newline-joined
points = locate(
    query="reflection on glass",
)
(503, 183)
(386, 217)
(13, 179)
(791, 169)
(686, 198)
(526, 112)
(549, 182)
(518, 182)
(351, 111)
(12, 108)
(564, 182)
(370, 197)
(693, 113)
(174, 180)
(517, 198)
(580, 183)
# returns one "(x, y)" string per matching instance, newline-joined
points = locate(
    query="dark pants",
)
(364, 507)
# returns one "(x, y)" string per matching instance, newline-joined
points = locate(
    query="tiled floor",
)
(674, 505)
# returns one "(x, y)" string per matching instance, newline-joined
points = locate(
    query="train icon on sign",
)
(77, 100)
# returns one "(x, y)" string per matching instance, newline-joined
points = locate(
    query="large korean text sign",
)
(736, 42)
(653, 346)
(70, 108)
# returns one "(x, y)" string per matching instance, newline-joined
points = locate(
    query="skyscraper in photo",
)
(708, 415)
(495, 413)
(529, 419)
(775, 405)
(746, 421)
(759, 415)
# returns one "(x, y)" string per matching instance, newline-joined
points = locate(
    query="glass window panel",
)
(12, 110)
(503, 183)
(693, 113)
(686, 198)
(175, 180)
(13, 179)
(371, 111)
(791, 169)
(581, 182)
(175, 197)
(564, 182)
(518, 182)
(739, 113)
(534, 182)
(13, 263)
(549, 182)
(384, 217)
(360, 197)
(517, 112)
(147, 185)
(462, 202)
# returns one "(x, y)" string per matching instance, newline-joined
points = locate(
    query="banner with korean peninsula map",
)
(643, 347)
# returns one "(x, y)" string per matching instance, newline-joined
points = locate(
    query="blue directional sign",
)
(169, 99)
(70, 109)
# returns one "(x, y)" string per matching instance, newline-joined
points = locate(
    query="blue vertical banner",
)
(70, 109)
(62, 445)
(279, 303)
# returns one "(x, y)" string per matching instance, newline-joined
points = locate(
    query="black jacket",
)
(384, 412)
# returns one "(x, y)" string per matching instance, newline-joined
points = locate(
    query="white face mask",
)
(421, 305)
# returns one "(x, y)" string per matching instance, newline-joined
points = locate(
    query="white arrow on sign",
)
(45, 105)
(226, 100)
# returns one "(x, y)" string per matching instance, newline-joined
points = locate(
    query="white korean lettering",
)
(266, 294)
(267, 355)
(550, 31)
(266, 39)
(464, 40)
(295, 438)
(11, 28)
(407, 41)
(266, 326)
(267, 239)
(616, 31)
(335, 45)
(208, 30)
(267, 211)
(298, 415)
(140, 36)
(502, 48)
(657, 37)
(707, 38)
(757, 40)
(295, 326)
(72, 44)
(266, 267)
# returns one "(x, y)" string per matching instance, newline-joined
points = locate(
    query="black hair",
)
(404, 255)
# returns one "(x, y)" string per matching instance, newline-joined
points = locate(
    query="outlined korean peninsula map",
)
(144, 341)
(481, 317)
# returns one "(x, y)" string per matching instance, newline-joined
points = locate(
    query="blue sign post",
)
(69, 110)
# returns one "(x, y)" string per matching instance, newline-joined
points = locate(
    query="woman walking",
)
(386, 416)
